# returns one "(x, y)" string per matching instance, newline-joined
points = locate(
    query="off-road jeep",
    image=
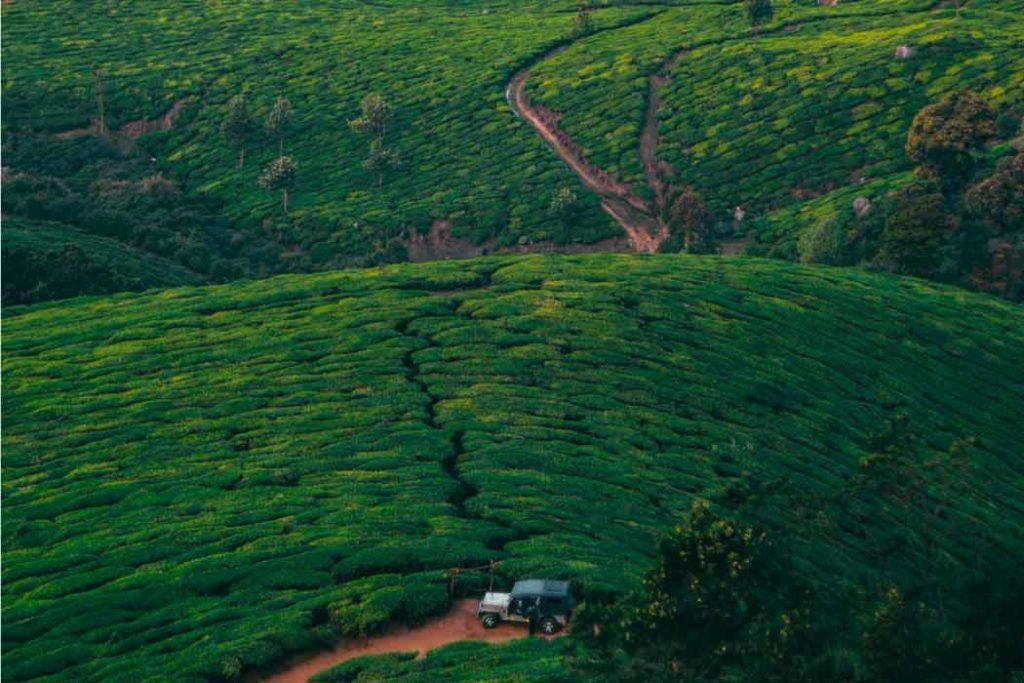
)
(545, 605)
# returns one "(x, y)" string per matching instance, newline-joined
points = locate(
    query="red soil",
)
(633, 213)
(458, 625)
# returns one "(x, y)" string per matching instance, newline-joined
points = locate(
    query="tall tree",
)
(278, 119)
(759, 12)
(376, 115)
(690, 219)
(279, 175)
(380, 159)
(583, 22)
(722, 600)
(99, 79)
(239, 125)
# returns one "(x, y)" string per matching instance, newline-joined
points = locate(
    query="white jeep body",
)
(497, 603)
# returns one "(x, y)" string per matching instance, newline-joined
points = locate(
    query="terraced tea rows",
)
(836, 98)
(465, 157)
(197, 481)
(826, 104)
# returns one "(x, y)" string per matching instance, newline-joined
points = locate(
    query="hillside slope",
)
(198, 480)
(816, 101)
(46, 260)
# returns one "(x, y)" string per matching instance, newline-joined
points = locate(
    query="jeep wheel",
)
(489, 620)
(548, 626)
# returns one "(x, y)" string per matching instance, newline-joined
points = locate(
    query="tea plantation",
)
(818, 100)
(199, 481)
(813, 101)
(464, 155)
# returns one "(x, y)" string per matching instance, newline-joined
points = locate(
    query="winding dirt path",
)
(656, 170)
(633, 213)
(458, 625)
(642, 221)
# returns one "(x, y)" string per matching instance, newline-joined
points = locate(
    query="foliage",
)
(723, 602)
(279, 175)
(916, 228)
(691, 222)
(381, 159)
(758, 12)
(128, 224)
(717, 599)
(944, 135)
(999, 199)
(583, 22)
(239, 125)
(199, 474)
(279, 118)
(825, 241)
(377, 113)
(566, 207)
(43, 261)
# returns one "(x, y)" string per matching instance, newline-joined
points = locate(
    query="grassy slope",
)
(149, 270)
(465, 156)
(191, 476)
(827, 103)
(745, 121)
(816, 103)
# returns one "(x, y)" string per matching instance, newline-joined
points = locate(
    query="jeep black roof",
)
(542, 587)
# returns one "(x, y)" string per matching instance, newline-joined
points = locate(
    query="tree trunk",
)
(100, 85)
(241, 157)
(380, 179)
(280, 146)
(285, 190)
(102, 124)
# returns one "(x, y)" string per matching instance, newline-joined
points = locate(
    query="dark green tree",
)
(691, 222)
(239, 125)
(825, 241)
(759, 12)
(999, 199)
(944, 136)
(917, 227)
(722, 602)
(583, 22)
(564, 206)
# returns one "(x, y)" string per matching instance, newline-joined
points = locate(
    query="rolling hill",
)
(814, 102)
(34, 251)
(199, 481)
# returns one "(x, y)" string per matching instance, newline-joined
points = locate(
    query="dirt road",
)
(458, 625)
(633, 213)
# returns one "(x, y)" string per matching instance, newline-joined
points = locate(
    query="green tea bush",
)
(196, 478)
(444, 69)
